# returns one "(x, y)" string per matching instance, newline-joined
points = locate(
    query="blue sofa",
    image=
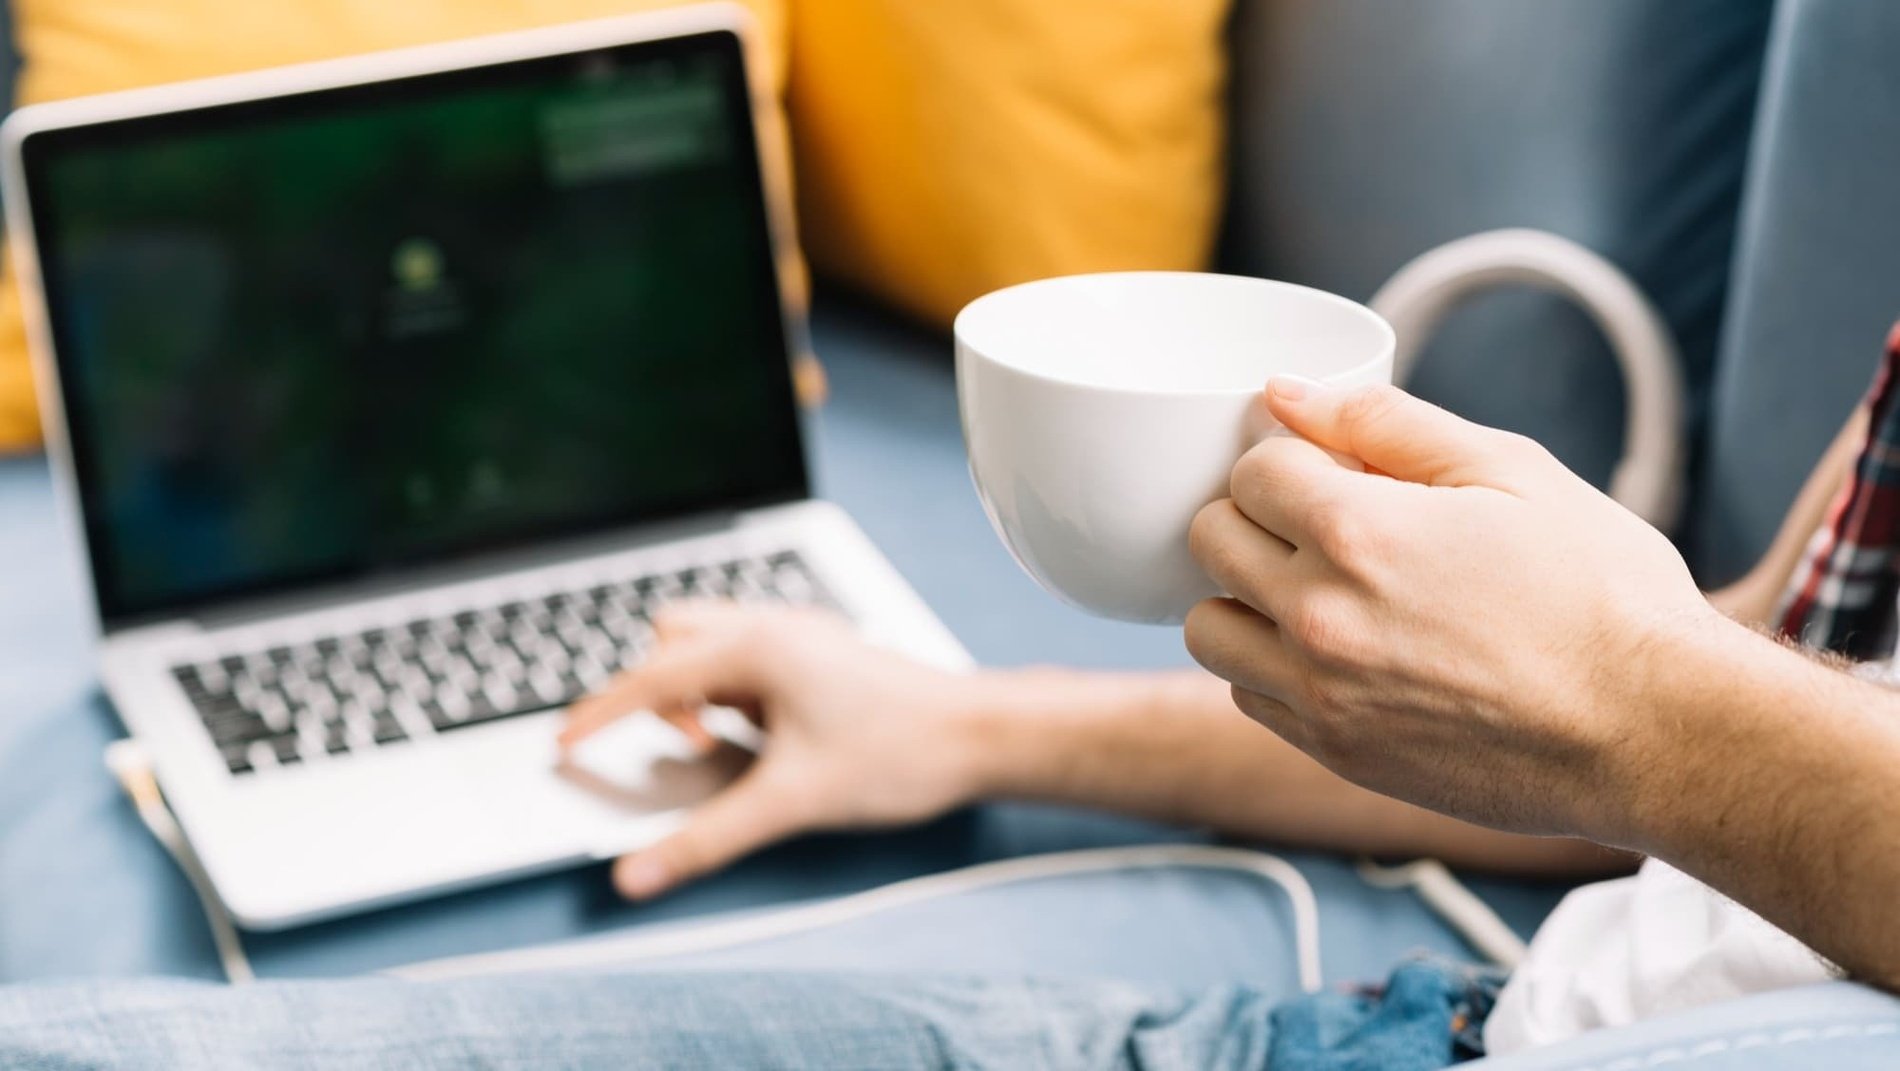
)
(1365, 131)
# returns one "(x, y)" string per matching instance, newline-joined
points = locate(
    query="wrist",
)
(1706, 698)
(1022, 733)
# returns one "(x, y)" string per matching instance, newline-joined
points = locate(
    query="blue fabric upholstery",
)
(1366, 132)
(1817, 281)
(1838, 1026)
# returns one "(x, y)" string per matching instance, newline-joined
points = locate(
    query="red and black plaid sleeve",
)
(1842, 596)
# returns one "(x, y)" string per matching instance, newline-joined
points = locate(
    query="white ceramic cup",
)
(1101, 412)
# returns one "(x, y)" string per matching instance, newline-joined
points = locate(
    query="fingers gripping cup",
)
(1101, 412)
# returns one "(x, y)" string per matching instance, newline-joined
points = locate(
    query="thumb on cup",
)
(1383, 428)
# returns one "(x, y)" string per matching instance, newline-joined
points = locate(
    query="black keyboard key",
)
(336, 737)
(481, 710)
(237, 757)
(217, 707)
(386, 729)
(439, 716)
(238, 730)
(285, 748)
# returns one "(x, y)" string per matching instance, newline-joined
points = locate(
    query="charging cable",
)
(1435, 885)
(700, 937)
(128, 763)
(1455, 903)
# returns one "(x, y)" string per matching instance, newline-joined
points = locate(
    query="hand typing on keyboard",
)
(326, 698)
(855, 737)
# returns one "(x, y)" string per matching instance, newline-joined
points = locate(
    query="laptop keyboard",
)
(339, 695)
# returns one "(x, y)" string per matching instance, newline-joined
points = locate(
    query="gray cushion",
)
(1368, 131)
(1818, 275)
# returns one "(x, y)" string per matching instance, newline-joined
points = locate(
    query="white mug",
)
(1101, 412)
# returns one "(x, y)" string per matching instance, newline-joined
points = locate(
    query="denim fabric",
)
(1428, 1014)
(793, 1021)
(694, 1020)
(741, 1021)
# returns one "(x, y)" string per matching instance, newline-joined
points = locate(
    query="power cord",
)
(129, 764)
(716, 934)
(1442, 892)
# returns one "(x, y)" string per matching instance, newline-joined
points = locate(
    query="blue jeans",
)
(833, 1022)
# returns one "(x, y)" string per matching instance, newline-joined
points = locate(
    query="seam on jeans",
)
(1677, 1054)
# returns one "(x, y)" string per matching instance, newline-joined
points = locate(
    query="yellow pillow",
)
(948, 148)
(76, 47)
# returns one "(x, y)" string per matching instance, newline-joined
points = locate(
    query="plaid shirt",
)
(1843, 595)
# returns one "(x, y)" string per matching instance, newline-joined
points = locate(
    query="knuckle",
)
(1222, 556)
(1199, 629)
(1519, 445)
(1204, 531)
(1250, 473)
(1320, 625)
(1514, 451)
(1341, 535)
(1258, 469)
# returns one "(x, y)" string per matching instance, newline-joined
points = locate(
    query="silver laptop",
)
(390, 397)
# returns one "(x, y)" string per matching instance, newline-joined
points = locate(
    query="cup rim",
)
(1384, 352)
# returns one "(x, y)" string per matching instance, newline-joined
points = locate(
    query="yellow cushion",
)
(76, 47)
(948, 148)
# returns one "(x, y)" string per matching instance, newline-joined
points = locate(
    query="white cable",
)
(1452, 901)
(1443, 893)
(689, 938)
(128, 763)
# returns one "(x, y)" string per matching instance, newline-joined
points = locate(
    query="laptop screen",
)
(319, 336)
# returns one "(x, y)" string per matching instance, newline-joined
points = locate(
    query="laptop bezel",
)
(159, 102)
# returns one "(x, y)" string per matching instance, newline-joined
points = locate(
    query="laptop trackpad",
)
(641, 764)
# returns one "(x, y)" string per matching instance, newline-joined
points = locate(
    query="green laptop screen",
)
(324, 335)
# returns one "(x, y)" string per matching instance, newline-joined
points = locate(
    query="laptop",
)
(390, 397)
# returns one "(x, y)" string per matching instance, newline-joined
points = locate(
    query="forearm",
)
(1775, 779)
(1173, 747)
